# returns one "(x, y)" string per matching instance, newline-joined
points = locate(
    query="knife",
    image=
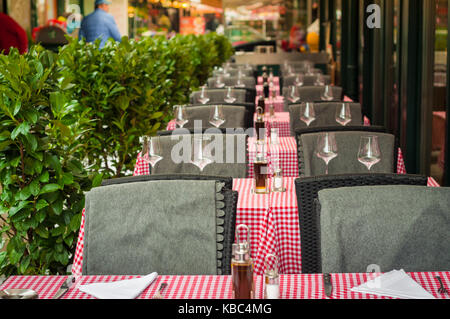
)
(67, 284)
(327, 284)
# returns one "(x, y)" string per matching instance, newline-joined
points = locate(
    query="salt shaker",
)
(277, 181)
(271, 280)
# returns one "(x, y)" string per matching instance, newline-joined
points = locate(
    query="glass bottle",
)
(260, 125)
(271, 280)
(260, 170)
(242, 267)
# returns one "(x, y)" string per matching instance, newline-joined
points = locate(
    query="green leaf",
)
(24, 263)
(67, 179)
(97, 180)
(23, 129)
(42, 231)
(57, 102)
(34, 187)
(49, 188)
(44, 177)
(75, 222)
(14, 210)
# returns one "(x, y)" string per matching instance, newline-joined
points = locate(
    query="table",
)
(302, 286)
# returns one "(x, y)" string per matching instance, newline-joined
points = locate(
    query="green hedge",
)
(71, 119)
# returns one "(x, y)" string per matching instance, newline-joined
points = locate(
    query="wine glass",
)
(230, 96)
(320, 80)
(369, 151)
(219, 82)
(299, 79)
(307, 113)
(180, 115)
(326, 148)
(151, 150)
(343, 114)
(328, 93)
(216, 116)
(293, 94)
(240, 83)
(200, 159)
(204, 98)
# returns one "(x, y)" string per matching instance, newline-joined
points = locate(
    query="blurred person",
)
(99, 24)
(12, 35)
(297, 36)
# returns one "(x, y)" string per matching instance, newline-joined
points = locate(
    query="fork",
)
(158, 293)
(441, 289)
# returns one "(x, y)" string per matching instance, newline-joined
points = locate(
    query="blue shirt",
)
(99, 24)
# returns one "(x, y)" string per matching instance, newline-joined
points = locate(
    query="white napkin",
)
(123, 289)
(395, 283)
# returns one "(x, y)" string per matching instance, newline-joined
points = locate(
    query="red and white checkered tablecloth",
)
(301, 286)
(260, 90)
(276, 80)
(277, 102)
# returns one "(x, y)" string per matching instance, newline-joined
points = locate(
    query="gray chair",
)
(325, 115)
(394, 227)
(348, 142)
(308, 80)
(229, 152)
(311, 94)
(174, 225)
(235, 116)
(218, 96)
(307, 188)
(248, 81)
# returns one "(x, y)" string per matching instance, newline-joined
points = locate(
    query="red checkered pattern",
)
(303, 286)
(280, 121)
(260, 90)
(276, 80)
(287, 230)
(278, 104)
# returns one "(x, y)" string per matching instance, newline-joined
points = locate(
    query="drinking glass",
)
(320, 80)
(151, 150)
(328, 93)
(307, 113)
(230, 96)
(204, 98)
(240, 83)
(326, 148)
(343, 114)
(216, 116)
(299, 80)
(294, 96)
(200, 158)
(369, 151)
(180, 115)
(219, 82)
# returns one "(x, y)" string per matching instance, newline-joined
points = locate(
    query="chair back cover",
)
(325, 114)
(307, 189)
(394, 227)
(171, 226)
(229, 152)
(346, 162)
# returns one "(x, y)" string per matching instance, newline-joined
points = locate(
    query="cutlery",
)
(441, 289)
(67, 284)
(158, 293)
(327, 284)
